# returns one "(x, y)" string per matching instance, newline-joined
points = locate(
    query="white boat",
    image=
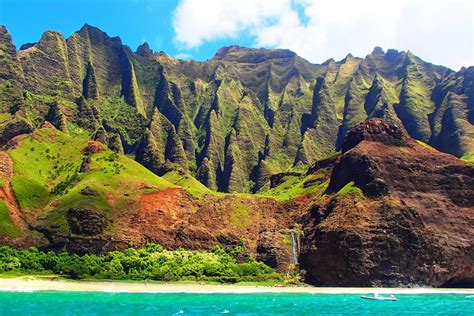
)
(377, 297)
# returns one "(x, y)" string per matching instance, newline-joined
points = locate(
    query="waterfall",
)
(294, 248)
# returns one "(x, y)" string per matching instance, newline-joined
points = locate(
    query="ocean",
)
(101, 303)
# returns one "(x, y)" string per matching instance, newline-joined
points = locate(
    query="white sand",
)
(31, 284)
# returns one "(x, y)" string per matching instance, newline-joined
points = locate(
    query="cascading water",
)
(294, 248)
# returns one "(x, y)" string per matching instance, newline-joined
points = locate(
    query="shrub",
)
(149, 262)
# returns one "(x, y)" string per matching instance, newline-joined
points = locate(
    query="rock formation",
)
(412, 224)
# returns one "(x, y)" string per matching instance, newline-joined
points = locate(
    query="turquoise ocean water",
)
(97, 303)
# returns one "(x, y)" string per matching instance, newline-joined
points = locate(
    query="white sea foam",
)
(18, 289)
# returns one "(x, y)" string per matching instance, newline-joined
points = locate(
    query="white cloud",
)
(199, 21)
(438, 31)
(182, 56)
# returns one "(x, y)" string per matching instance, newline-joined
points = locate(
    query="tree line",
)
(151, 262)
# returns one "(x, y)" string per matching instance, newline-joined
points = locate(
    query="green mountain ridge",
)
(235, 119)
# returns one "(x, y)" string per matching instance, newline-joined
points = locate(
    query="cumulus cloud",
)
(437, 30)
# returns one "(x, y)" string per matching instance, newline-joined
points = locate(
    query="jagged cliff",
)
(237, 118)
(105, 146)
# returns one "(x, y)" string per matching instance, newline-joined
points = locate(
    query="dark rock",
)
(86, 245)
(86, 222)
(88, 191)
(144, 50)
(86, 164)
(13, 128)
(115, 144)
(267, 250)
(101, 136)
(279, 178)
(361, 169)
(377, 130)
(324, 163)
(90, 89)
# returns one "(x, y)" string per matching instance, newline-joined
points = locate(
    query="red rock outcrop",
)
(414, 225)
(174, 218)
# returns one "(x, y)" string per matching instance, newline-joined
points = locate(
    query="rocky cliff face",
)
(242, 115)
(410, 220)
(174, 218)
(387, 210)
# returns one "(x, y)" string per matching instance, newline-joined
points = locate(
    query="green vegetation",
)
(151, 262)
(294, 186)
(124, 118)
(415, 101)
(469, 157)
(47, 165)
(240, 215)
(47, 176)
(188, 182)
(4, 116)
(421, 143)
(42, 162)
(350, 188)
(7, 228)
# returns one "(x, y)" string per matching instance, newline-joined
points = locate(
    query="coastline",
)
(33, 284)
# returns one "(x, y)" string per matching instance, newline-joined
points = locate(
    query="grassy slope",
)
(295, 186)
(47, 177)
(42, 161)
(7, 228)
(188, 182)
(350, 188)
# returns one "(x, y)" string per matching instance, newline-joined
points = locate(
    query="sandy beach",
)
(31, 284)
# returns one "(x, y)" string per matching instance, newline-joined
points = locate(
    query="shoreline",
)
(32, 284)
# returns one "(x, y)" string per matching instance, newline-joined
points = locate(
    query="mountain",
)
(235, 119)
(104, 147)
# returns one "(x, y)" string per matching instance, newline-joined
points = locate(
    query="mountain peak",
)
(6, 42)
(96, 33)
(88, 27)
(144, 50)
(347, 58)
(327, 62)
(377, 51)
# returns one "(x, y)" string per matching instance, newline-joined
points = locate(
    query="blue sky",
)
(134, 21)
(438, 31)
